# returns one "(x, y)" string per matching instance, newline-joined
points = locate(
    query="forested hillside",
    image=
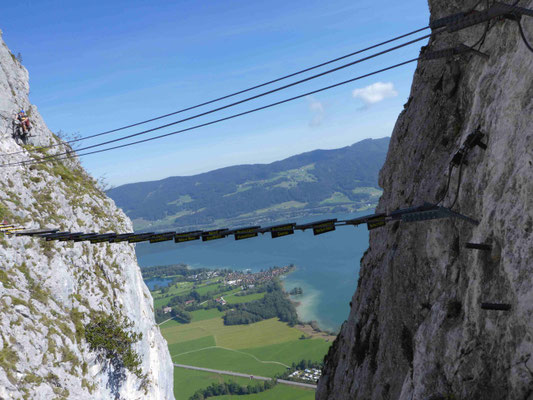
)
(315, 182)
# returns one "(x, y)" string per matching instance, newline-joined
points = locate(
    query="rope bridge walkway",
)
(424, 212)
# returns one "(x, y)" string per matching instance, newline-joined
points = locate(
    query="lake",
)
(162, 282)
(327, 265)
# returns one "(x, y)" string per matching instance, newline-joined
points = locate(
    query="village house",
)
(220, 300)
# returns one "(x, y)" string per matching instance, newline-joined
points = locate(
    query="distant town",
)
(308, 374)
(249, 280)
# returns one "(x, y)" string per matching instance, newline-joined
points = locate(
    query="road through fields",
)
(261, 378)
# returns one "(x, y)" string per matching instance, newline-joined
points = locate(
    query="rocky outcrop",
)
(53, 294)
(416, 329)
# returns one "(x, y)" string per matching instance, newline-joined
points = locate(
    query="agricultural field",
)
(179, 288)
(202, 315)
(244, 299)
(259, 334)
(182, 288)
(186, 382)
(279, 392)
(264, 348)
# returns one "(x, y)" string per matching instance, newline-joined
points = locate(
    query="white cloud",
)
(375, 93)
(317, 109)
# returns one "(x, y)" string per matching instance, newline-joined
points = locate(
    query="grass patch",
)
(293, 351)
(244, 299)
(32, 379)
(183, 288)
(212, 287)
(8, 361)
(198, 315)
(228, 360)
(276, 393)
(24, 269)
(76, 317)
(336, 198)
(16, 301)
(186, 382)
(5, 214)
(68, 356)
(39, 294)
(191, 345)
(372, 191)
(264, 361)
(259, 334)
(264, 348)
(287, 205)
(4, 278)
(202, 315)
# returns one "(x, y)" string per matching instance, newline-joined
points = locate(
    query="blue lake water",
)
(163, 282)
(327, 265)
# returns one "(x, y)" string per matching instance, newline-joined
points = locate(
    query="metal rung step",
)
(496, 306)
(478, 246)
(474, 139)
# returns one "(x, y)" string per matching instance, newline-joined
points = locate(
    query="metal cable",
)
(235, 93)
(69, 152)
(459, 181)
(243, 100)
(450, 170)
(72, 154)
(526, 42)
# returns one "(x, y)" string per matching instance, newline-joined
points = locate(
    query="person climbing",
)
(21, 126)
(23, 121)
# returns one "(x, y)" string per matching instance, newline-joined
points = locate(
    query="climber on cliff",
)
(21, 123)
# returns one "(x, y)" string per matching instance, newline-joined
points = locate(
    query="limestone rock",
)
(416, 329)
(50, 290)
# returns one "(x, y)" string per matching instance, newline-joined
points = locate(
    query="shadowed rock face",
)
(416, 329)
(50, 290)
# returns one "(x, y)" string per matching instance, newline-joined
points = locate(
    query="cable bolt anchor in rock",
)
(450, 52)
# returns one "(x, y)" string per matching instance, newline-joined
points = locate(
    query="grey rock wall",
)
(416, 329)
(50, 290)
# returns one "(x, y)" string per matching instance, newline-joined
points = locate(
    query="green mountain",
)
(317, 182)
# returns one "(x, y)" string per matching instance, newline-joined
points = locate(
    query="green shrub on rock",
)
(112, 339)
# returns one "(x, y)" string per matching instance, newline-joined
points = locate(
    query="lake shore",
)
(306, 307)
(313, 333)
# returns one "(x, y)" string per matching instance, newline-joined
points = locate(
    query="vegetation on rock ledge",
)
(113, 341)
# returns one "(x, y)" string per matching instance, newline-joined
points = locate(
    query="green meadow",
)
(265, 348)
(230, 360)
(243, 299)
(259, 334)
(279, 392)
(182, 288)
(186, 382)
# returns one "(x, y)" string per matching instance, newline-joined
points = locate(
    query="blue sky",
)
(99, 65)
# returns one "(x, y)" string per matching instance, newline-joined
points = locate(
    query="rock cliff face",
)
(52, 293)
(416, 329)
